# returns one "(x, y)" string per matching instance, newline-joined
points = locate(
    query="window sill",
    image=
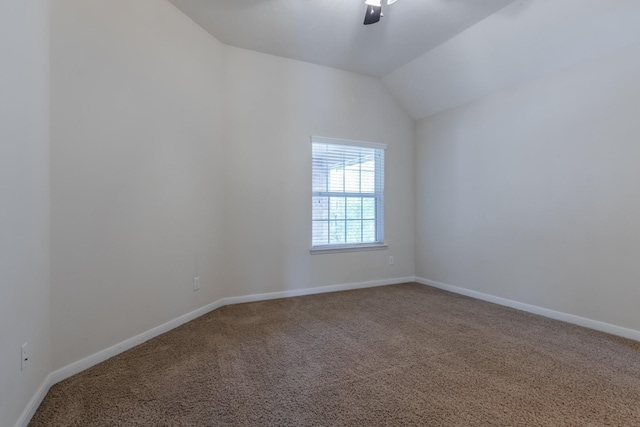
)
(347, 248)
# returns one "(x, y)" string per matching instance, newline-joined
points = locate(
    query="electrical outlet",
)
(196, 283)
(24, 356)
(392, 260)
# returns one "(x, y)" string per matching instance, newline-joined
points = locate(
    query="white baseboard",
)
(316, 290)
(35, 401)
(557, 315)
(92, 360)
(99, 357)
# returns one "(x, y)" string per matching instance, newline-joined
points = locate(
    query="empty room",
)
(319, 213)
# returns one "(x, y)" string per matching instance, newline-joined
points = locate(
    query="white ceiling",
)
(331, 33)
(524, 41)
(433, 55)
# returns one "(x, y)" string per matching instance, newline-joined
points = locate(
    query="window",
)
(348, 194)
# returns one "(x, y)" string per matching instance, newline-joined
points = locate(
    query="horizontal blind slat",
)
(342, 172)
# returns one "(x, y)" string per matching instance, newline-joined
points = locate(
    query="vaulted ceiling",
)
(433, 55)
(331, 32)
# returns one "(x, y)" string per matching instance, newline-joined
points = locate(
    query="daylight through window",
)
(348, 193)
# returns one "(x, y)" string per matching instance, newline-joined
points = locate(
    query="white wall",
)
(274, 106)
(137, 169)
(24, 195)
(532, 194)
(164, 141)
(173, 155)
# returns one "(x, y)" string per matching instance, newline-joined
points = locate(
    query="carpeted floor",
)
(395, 355)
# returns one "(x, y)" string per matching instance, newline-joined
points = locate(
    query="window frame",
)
(378, 195)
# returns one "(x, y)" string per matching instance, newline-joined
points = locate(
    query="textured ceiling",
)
(330, 32)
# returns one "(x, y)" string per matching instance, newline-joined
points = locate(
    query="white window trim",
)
(352, 142)
(353, 247)
(333, 249)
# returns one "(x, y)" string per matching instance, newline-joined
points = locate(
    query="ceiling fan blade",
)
(373, 15)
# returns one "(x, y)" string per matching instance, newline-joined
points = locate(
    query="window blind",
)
(348, 192)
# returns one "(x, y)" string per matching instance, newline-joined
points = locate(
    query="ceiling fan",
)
(374, 11)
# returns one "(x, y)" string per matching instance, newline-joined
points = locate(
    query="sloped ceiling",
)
(524, 41)
(432, 54)
(331, 32)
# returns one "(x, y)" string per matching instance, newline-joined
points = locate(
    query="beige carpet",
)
(396, 355)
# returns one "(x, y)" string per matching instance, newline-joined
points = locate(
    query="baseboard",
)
(92, 360)
(34, 403)
(99, 357)
(86, 363)
(89, 361)
(557, 315)
(316, 290)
